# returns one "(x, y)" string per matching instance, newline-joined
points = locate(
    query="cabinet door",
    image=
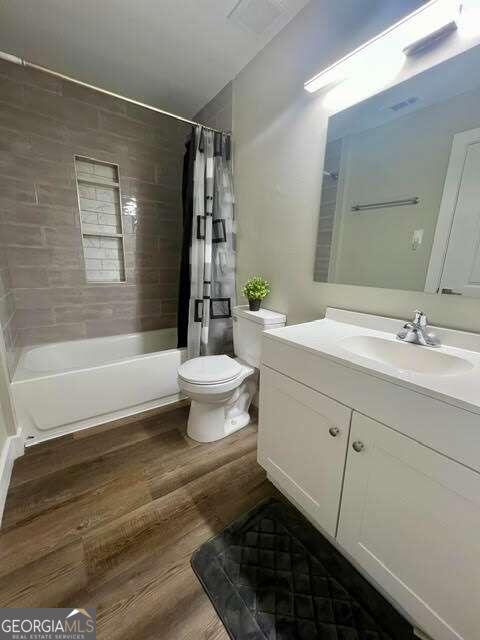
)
(411, 518)
(303, 439)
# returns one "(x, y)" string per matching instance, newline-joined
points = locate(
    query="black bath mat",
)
(272, 576)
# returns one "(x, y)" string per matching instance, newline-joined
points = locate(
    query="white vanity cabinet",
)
(411, 518)
(303, 443)
(391, 473)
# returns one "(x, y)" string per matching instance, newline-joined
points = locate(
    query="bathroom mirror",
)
(400, 204)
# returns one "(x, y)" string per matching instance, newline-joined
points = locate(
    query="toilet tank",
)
(247, 331)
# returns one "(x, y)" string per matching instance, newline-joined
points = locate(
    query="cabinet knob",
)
(334, 431)
(358, 446)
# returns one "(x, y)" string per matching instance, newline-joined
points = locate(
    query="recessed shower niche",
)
(99, 202)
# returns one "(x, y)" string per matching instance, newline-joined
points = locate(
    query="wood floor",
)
(109, 518)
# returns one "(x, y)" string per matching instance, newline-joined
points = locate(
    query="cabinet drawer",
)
(411, 518)
(302, 444)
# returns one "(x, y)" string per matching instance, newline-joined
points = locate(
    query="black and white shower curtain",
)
(208, 255)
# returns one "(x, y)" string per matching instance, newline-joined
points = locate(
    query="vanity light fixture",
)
(427, 41)
(431, 26)
(433, 21)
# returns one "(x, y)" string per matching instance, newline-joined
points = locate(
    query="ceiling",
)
(174, 54)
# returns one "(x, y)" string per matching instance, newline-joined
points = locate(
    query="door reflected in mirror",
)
(400, 204)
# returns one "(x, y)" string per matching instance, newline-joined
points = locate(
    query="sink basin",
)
(405, 356)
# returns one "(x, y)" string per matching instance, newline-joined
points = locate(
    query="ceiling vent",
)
(403, 104)
(256, 15)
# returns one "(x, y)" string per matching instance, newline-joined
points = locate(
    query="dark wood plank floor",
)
(109, 518)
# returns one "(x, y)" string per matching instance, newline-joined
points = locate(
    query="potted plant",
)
(255, 290)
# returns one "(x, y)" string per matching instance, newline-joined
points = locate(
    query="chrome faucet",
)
(416, 332)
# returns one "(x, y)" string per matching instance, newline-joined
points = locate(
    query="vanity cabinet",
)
(302, 445)
(402, 501)
(411, 518)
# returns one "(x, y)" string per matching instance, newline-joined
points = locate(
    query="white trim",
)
(12, 449)
(447, 207)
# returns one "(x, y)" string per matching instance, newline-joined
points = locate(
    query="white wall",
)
(279, 140)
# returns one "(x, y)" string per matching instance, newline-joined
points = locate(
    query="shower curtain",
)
(209, 246)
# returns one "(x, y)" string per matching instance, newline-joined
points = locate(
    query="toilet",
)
(221, 388)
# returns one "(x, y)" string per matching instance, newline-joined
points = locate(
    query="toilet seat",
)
(198, 377)
(210, 370)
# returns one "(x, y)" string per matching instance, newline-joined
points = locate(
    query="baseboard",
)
(12, 449)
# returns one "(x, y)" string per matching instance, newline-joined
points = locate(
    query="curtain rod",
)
(26, 63)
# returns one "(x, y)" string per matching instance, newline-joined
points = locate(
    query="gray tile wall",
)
(44, 122)
(328, 203)
(218, 112)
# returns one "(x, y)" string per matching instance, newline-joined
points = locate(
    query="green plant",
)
(256, 288)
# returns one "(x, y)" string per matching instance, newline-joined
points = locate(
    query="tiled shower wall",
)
(328, 204)
(44, 123)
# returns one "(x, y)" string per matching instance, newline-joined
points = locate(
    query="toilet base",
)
(210, 421)
(207, 422)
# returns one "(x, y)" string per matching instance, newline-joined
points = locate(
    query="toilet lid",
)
(209, 369)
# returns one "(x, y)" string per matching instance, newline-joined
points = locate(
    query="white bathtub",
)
(63, 387)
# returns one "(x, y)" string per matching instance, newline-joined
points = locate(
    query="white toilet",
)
(222, 388)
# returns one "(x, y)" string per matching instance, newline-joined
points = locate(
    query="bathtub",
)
(62, 387)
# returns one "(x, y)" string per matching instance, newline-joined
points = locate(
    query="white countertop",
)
(324, 338)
